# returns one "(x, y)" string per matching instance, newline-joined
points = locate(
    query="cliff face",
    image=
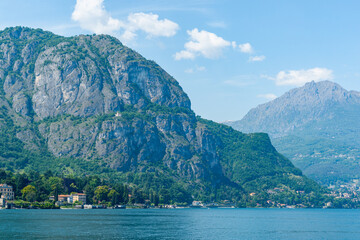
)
(81, 76)
(94, 99)
(47, 76)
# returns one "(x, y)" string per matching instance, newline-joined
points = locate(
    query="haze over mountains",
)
(317, 126)
(90, 105)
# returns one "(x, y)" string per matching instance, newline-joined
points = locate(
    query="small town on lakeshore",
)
(105, 198)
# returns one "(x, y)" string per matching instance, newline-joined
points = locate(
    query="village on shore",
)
(79, 201)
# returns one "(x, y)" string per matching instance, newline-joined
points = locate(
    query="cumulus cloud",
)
(300, 77)
(184, 54)
(92, 16)
(257, 58)
(246, 48)
(150, 24)
(202, 43)
(268, 96)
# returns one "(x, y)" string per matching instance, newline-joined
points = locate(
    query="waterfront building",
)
(63, 198)
(70, 199)
(196, 204)
(79, 197)
(6, 192)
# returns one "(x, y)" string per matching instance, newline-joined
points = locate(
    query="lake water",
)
(181, 224)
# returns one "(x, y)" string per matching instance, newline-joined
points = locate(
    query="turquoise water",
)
(181, 224)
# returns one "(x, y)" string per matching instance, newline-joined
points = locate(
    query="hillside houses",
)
(73, 198)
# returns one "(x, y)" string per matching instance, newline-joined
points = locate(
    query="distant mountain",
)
(90, 105)
(317, 126)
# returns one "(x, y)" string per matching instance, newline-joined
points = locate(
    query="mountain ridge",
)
(310, 124)
(88, 104)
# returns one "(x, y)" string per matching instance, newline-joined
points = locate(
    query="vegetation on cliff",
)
(88, 105)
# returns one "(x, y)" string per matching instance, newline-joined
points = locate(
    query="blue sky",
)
(229, 55)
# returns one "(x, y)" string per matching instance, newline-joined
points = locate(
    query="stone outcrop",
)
(92, 99)
(79, 79)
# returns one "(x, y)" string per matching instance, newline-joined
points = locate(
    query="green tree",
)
(20, 182)
(29, 193)
(113, 196)
(101, 193)
(74, 187)
(125, 195)
(55, 185)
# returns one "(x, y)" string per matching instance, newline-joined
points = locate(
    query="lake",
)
(180, 224)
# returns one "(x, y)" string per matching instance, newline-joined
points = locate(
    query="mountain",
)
(89, 105)
(316, 126)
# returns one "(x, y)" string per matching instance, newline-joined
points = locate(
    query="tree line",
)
(36, 187)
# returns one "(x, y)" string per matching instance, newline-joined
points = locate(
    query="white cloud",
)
(92, 16)
(184, 55)
(300, 77)
(233, 44)
(257, 58)
(127, 36)
(150, 24)
(268, 96)
(202, 43)
(246, 48)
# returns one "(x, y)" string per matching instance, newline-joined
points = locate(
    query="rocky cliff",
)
(90, 104)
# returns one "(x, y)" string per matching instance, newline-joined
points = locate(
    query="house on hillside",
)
(79, 197)
(74, 197)
(63, 198)
(6, 192)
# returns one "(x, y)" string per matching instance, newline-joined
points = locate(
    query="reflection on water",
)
(180, 224)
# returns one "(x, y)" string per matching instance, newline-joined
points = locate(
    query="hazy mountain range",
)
(317, 126)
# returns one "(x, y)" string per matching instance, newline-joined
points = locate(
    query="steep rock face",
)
(81, 76)
(47, 77)
(88, 102)
(316, 126)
